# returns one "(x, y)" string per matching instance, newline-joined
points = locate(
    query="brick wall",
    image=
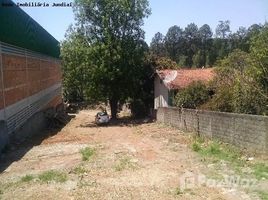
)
(24, 77)
(244, 131)
(29, 82)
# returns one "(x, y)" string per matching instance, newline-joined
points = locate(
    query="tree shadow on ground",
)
(18, 148)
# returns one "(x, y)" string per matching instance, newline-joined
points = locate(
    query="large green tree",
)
(205, 37)
(173, 42)
(193, 47)
(192, 43)
(75, 55)
(223, 29)
(157, 45)
(259, 54)
(112, 31)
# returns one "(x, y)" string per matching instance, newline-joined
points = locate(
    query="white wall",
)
(160, 93)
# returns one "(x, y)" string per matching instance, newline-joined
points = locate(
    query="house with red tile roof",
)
(167, 82)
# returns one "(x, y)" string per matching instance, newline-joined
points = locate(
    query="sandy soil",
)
(132, 161)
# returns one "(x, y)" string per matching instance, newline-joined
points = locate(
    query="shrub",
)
(193, 96)
(236, 89)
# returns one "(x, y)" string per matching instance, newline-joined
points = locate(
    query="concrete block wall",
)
(248, 132)
(29, 83)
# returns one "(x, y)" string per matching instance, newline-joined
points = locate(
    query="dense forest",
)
(198, 47)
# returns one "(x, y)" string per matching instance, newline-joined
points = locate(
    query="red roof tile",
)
(178, 79)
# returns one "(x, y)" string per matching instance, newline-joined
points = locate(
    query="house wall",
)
(29, 83)
(160, 94)
(248, 132)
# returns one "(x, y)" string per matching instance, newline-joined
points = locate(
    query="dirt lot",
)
(127, 161)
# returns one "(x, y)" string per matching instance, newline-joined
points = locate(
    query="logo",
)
(190, 180)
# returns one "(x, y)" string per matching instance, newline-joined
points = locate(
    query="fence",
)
(248, 132)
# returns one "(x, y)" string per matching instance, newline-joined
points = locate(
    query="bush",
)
(247, 99)
(235, 88)
(193, 96)
(221, 101)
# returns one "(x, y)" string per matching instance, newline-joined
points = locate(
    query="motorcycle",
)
(102, 118)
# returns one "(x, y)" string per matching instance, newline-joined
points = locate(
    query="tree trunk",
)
(113, 104)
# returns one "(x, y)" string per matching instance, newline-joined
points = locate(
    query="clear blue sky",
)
(165, 13)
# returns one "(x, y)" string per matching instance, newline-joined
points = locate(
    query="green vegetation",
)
(240, 85)
(196, 146)
(114, 64)
(79, 170)
(195, 46)
(193, 96)
(87, 153)
(213, 151)
(104, 54)
(124, 163)
(27, 178)
(52, 175)
(160, 63)
(263, 195)
(260, 170)
(240, 61)
(45, 177)
(236, 87)
(178, 191)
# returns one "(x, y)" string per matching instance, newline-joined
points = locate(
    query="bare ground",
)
(132, 161)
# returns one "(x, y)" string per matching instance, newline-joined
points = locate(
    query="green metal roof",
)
(19, 29)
